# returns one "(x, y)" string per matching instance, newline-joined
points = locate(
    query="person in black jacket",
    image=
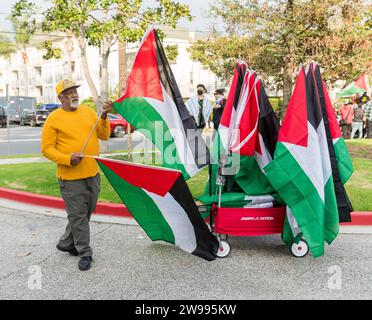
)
(218, 107)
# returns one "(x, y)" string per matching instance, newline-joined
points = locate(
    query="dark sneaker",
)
(84, 263)
(71, 251)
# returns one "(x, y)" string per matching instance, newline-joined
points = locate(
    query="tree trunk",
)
(104, 76)
(287, 83)
(69, 48)
(86, 71)
(104, 147)
(25, 71)
(289, 60)
(123, 66)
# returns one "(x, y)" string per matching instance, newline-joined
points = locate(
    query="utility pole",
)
(123, 66)
(7, 117)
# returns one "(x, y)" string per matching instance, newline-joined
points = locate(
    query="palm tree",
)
(22, 39)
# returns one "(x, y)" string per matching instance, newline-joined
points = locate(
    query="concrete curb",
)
(119, 210)
(112, 209)
(26, 208)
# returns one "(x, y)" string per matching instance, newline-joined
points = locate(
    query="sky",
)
(199, 9)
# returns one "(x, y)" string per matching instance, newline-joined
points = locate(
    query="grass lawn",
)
(22, 156)
(39, 155)
(40, 178)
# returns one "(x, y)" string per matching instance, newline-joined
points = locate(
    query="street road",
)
(129, 266)
(26, 140)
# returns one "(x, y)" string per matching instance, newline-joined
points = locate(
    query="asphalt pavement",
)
(129, 266)
(26, 140)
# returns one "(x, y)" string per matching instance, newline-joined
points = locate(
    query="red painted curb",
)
(359, 218)
(114, 209)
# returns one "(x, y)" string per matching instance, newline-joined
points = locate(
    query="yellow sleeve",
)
(103, 126)
(104, 129)
(48, 145)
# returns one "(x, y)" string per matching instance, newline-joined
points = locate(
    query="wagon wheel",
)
(224, 249)
(300, 249)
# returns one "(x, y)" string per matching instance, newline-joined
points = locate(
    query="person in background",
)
(357, 124)
(218, 107)
(367, 108)
(337, 113)
(200, 107)
(347, 115)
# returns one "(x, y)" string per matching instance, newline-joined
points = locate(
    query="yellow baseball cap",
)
(64, 85)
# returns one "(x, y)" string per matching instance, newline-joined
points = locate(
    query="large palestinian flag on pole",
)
(247, 135)
(153, 104)
(304, 170)
(162, 204)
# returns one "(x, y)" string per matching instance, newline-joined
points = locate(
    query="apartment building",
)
(44, 74)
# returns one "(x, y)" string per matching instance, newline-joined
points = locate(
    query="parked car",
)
(118, 125)
(34, 118)
(50, 106)
(3, 116)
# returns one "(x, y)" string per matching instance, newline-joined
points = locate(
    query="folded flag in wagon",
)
(246, 137)
(311, 163)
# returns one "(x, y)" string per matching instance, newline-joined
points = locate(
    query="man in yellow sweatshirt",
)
(63, 137)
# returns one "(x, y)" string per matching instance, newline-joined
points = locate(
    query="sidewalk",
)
(127, 265)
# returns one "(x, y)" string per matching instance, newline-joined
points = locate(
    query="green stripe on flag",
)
(251, 178)
(318, 220)
(331, 219)
(345, 165)
(145, 119)
(141, 206)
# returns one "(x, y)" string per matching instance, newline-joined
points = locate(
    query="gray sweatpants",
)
(80, 197)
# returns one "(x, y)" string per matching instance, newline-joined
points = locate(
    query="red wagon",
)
(250, 222)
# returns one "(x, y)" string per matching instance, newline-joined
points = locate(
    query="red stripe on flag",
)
(294, 128)
(361, 82)
(152, 179)
(248, 124)
(229, 106)
(144, 79)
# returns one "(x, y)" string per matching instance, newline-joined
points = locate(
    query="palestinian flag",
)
(304, 169)
(247, 134)
(153, 104)
(162, 204)
(359, 86)
(342, 167)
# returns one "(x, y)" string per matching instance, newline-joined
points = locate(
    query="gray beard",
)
(74, 104)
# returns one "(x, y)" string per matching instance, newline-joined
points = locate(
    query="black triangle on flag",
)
(343, 201)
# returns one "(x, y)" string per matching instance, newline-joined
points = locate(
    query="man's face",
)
(217, 96)
(70, 98)
(200, 90)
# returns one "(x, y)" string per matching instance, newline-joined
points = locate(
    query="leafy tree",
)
(7, 47)
(51, 53)
(276, 36)
(171, 52)
(103, 23)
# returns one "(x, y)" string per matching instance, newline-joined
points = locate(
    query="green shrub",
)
(89, 103)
